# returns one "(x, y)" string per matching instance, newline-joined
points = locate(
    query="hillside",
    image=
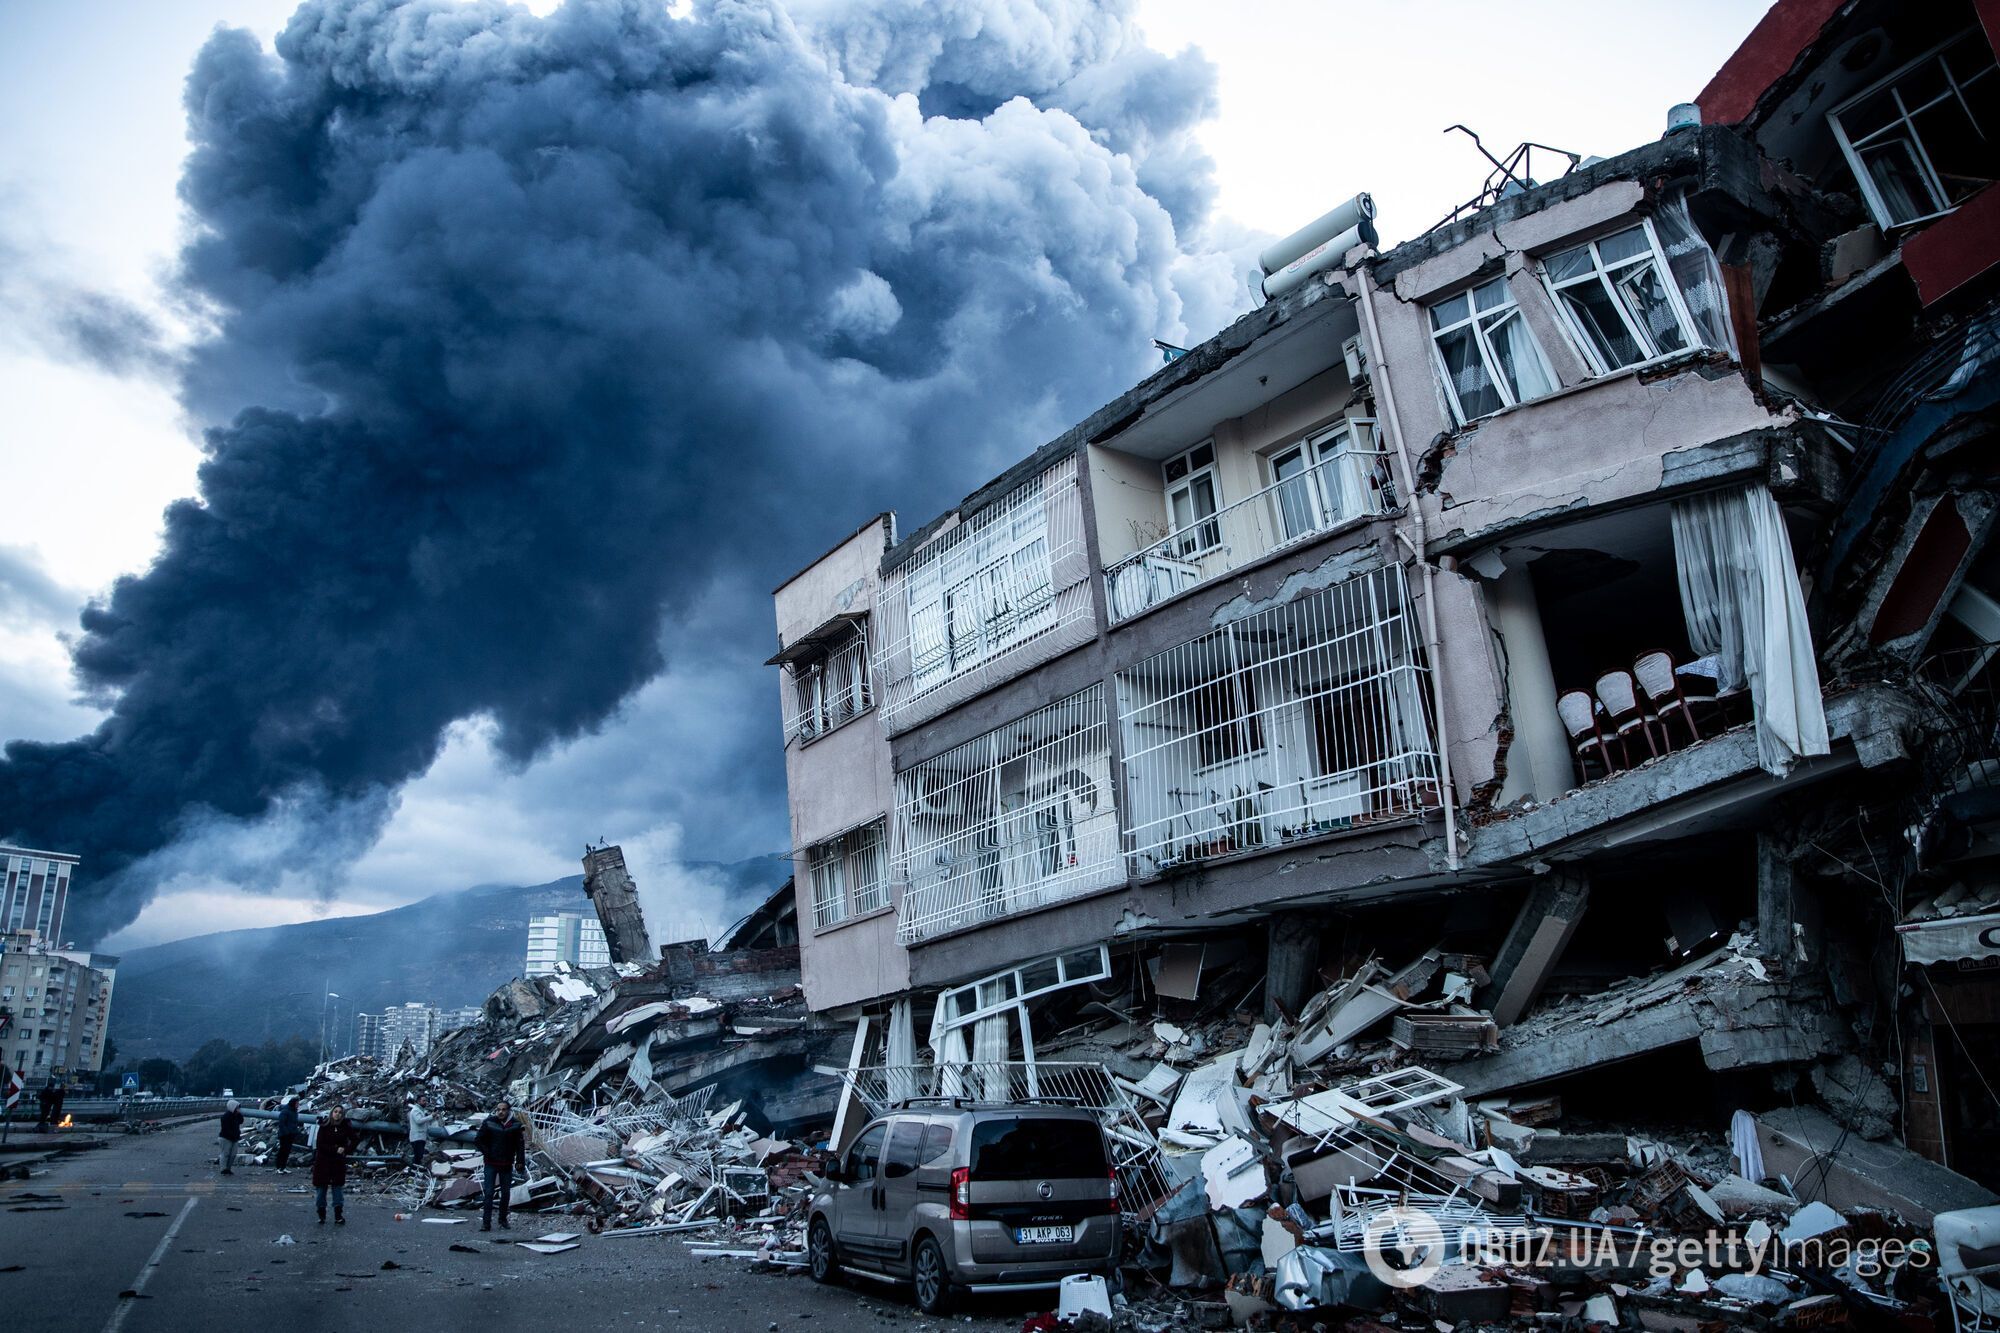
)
(247, 986)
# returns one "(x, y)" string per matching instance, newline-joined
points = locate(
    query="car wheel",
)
(928, 1276)
(820, 1259)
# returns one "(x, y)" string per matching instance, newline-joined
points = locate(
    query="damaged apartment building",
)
(1586, 601)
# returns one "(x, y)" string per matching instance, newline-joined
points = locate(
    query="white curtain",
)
(1740, 594)
(1695, 272)
(990, 1042)
(902, 1052)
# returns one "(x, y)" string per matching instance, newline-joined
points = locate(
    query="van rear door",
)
(1041, 1189)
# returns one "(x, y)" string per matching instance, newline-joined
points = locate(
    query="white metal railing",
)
(1345, 485)
(976, 602)
(1302, 720)
(849, 875)
(830, 691)
(1143, 1179)
(1015, 819)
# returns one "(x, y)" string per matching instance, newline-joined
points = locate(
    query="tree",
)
(159, 1075)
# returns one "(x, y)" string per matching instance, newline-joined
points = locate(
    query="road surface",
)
(148, 1215)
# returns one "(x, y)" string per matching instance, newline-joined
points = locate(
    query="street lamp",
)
(324, 1006)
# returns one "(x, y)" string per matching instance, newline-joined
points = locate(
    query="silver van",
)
(968, 1197)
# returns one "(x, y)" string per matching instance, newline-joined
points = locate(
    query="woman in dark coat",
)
(333, 1145)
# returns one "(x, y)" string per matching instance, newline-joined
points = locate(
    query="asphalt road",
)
(148, 1215)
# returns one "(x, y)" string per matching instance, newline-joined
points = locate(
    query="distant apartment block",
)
(55, 1006)
(34, 889)
(565, 937)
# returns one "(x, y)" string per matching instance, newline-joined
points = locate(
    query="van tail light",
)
(1112, 1207)
(961, 1193)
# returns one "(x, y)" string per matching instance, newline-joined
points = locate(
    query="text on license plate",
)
(1043, 1235)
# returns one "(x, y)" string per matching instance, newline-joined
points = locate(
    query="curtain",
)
(1740, 595)
(990, 1042)
(1695, 271)
(901, 1056)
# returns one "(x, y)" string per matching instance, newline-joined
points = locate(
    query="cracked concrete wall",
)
(838, 782)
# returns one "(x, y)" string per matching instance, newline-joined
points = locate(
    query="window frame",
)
(1905, 122)
(840, 892)
(1316, 449)
(1206, 527)
(1476, 318)
(1601, 274)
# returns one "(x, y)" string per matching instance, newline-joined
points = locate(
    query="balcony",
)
(1346, 484)
(830, 691)
(1014, 820)
(1309, 719)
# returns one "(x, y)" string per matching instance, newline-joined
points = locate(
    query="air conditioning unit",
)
(1356, 358)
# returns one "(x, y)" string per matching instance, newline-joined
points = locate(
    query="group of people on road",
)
(501, 1139)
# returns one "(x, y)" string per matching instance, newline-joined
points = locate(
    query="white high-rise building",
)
(565, 937)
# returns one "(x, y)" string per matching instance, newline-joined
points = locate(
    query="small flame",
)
(67, 1121)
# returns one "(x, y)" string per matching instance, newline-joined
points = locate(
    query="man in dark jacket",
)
(288, 1130)
(231, 1132)
(503, 1146)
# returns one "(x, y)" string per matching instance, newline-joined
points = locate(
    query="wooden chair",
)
(1578, 712)
(1662, 688)
(1620, 697)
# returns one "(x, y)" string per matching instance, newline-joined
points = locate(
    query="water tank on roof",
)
(1356, 212)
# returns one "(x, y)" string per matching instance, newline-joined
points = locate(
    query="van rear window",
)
(1036, 1149)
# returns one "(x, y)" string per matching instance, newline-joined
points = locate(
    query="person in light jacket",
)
(288, 1130)
(332, 1146)
(503, 1147)
(420, 1131)
(230, 1132)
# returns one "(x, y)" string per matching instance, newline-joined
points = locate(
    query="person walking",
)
(44, 1099)
(288, 1131)
(332, 1146)
(230, 1134)
(420, 1131)
(503, 1147)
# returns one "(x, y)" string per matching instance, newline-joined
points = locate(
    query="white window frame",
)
(849, 874)
(999, 591)
(1479, 321)
(1904, 125)
(1607, 276)
(1195, 546)
(820, 712)
(1318, 454)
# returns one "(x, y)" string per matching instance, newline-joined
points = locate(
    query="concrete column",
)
(1538, 762)
(1535, 943)
(1787, 916)
(1291, 963)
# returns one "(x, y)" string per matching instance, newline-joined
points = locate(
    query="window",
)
(1487, 355)
(862, 1157)
(906, 1138)
(1192, 499)
(1928, 136)
(1327, 479)
(832, 685)
(847, 875)
(1618, 300)
(988, 594)
(1224, 716)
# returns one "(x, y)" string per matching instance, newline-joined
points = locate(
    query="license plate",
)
(1043, 1235)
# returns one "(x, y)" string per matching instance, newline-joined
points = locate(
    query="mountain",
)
(449, 950)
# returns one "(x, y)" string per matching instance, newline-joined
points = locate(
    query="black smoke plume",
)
(521, 331)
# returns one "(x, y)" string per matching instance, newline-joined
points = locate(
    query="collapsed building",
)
(1553, 655)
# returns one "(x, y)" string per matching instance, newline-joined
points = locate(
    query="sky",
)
(1312, 102)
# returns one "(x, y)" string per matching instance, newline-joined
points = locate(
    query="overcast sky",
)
(1317, 100)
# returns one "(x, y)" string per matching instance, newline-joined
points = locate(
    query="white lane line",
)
(125, 1303)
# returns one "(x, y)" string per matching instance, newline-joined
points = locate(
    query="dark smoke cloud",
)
(524, 330)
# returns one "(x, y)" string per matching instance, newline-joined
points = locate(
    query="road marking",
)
(126, 1303)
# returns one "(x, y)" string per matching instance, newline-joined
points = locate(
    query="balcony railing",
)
(1352, 483)
(1019, 818)
(1307, 719)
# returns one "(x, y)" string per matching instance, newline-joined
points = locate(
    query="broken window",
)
(1301, 720)
(1928, 136)
(1010, 820)
(1192, 499)
(1488, 357)
(848, 875)
(1626, 301)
